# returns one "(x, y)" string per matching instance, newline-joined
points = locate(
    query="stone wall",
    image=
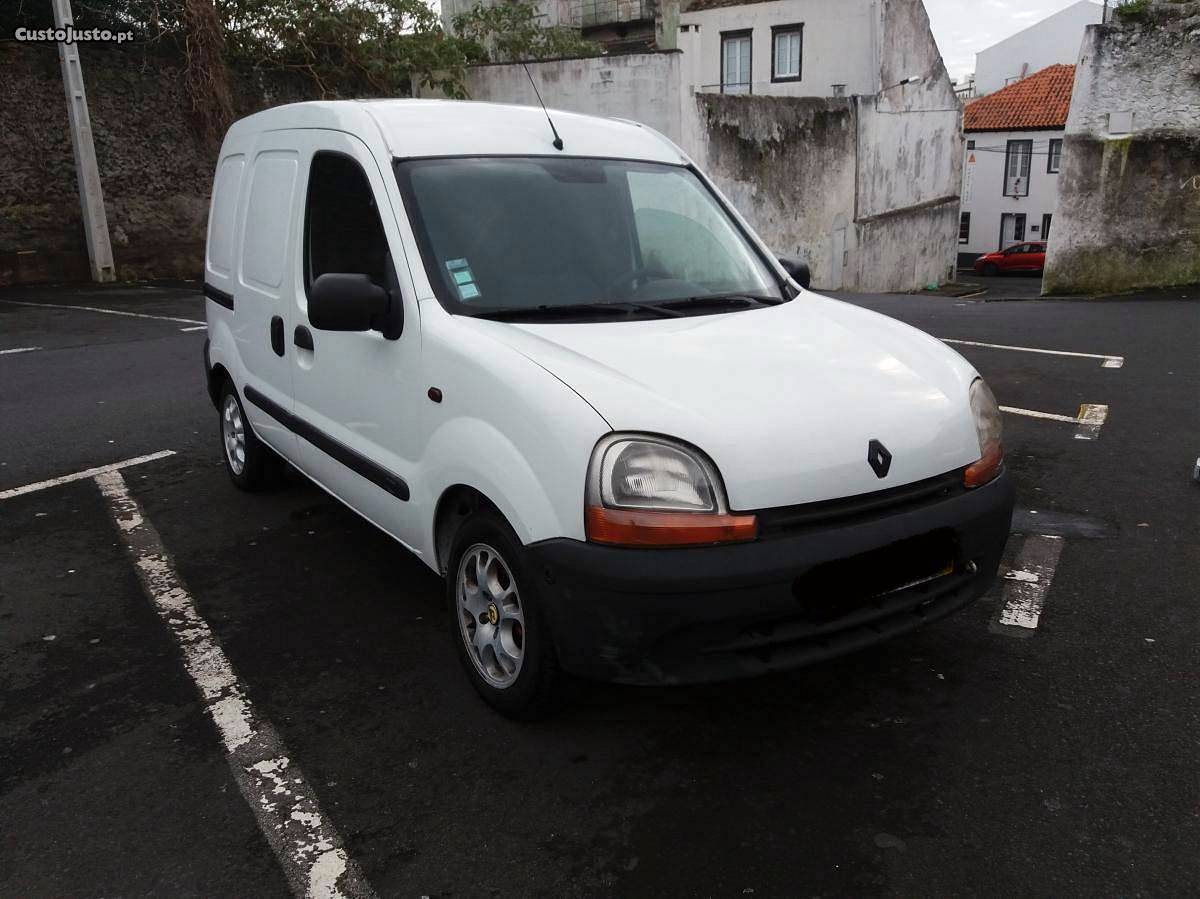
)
(1129, 199)
(156, 174)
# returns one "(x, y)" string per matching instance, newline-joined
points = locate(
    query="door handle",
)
(302, 337)
(277, 335)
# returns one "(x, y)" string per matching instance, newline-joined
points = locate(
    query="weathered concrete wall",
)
(643, 87)
(788, 165)
(1129, 197)
(798, 167)
(156, 174)
(910, 135)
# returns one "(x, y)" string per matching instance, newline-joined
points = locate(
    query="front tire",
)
(250, 464)
(496, 620)
(990, 270)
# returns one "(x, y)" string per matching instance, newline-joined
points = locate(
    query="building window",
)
(787, 52)
(1046, 220)
(964, 228)
(970, 145)
(735, 62)
(1055, 161)
(1017, 164)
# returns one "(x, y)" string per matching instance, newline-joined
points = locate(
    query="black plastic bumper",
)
(720, 612)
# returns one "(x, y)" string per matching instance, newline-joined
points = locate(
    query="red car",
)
(1022, 257)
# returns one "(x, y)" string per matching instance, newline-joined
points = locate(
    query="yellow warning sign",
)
(971, 158)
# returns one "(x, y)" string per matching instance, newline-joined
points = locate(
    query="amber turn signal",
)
(986, 469)
(629, 527)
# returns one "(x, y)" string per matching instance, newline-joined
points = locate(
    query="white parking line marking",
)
(1030, 413)
(1108, 361)
(1091, 420)
(161, 318)
(81, 475)
(304, 841)
(1028, 583)
(22, 349)
(195, 328)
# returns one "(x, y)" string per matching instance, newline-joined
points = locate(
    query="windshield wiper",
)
(719, 299)
(548, 311)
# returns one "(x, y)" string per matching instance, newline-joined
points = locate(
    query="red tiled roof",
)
(1040, 101)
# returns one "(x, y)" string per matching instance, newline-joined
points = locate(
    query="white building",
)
(793, 48)
(1013, 156)
(1052, 41)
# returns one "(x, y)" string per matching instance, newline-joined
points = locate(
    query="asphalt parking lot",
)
(1041, 742)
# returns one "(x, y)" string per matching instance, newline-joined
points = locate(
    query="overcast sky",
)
(964, 27)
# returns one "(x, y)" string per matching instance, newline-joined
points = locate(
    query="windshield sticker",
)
(464, 280)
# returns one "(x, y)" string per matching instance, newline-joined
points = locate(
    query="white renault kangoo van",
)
(561, 369)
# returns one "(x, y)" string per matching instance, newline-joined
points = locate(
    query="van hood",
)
(784, 400)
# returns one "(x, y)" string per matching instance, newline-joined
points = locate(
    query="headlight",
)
(988, 429)
(650, 491)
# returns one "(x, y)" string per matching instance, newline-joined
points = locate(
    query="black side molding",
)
(355, 461)
(220, 297)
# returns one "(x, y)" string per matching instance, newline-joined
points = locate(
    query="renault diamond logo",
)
(879, 458)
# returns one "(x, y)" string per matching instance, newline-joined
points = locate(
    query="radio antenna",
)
(558, 141)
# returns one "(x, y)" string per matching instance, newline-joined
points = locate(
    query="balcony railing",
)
(594, 13)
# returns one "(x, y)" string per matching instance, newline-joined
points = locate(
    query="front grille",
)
(811, 516)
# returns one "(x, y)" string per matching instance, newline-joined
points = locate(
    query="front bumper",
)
(795, 597)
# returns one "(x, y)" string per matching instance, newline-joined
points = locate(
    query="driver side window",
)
(342, 228)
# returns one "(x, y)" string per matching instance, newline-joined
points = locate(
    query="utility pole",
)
(87, 173)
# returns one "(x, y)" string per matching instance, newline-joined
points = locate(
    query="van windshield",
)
(556, 236)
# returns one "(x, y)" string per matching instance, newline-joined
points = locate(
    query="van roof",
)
(417, 128)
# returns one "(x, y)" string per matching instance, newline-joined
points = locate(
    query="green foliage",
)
(345, 48)
(1132, 10)
(508, 32)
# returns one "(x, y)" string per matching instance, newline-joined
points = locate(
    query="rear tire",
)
(496, 620)
(990, 270)
(252, 466)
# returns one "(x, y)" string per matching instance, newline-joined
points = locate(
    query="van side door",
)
(262, 287)
(358, 394)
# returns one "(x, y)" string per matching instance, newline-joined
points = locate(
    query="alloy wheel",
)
(233, 430)
(491, 620)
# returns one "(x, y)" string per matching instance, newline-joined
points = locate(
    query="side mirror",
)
(340, 301)
(797, 269)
